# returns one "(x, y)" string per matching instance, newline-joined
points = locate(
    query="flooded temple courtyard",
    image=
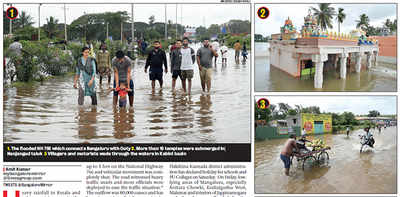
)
(381, 78)
(306, 53)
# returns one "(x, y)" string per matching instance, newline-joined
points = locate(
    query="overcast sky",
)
(377, 14)
(189, 14)
(386, 105)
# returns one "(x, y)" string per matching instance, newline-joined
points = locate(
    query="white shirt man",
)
(187, 65)
(215, 46)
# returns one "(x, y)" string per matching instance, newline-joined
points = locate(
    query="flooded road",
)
(49, 112)
(348, 171)
(269, 78)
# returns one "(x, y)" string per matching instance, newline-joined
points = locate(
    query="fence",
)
(262, 133)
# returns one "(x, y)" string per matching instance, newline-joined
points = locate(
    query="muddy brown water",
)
(268, 78)
(348, 171)
(49, 112)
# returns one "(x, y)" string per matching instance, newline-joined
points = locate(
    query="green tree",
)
(284, 108)
(387, 23)
(201, 32)
(371, 31)
(238, 26)
(51, 27)
(26, 33)
(23, 20)
(292, 112)
(140, 29)
(337, 119)
(6, 24)
(94, 26)
(258, 37)
(263, 114)
(214, 29)
(348, 118)
(373, 113)
(274, 111)
(392, 26)
(363, 22)
(340, 17)
(311, 109)
(151, 21)
(324, 15)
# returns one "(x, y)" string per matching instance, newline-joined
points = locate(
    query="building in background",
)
(311, 52)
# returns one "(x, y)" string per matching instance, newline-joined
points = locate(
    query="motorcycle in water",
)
(366, 141)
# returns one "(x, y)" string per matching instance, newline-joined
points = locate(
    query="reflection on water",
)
(348, 171)
(48, 112)
(269, 78)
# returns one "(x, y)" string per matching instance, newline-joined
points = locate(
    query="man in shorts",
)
(176, 61)
(122, 74)
(237, 48)
(187, 65)
(156, 59)
(287, 152)
(204, 61)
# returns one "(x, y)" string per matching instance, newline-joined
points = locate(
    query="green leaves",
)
(324, 15)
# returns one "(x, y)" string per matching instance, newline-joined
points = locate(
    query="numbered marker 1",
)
(12, 13)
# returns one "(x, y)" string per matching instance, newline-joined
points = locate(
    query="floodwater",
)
(49, 112)
(348, 171)
(269, 78)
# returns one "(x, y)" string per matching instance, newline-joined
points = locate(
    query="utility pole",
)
(182, 22)
(165, 25)
(39, 23)
(87, 21)
(106, 30)
(176, 20)
(65, 23)
(133, 26)
(122, 24)
(10, 30)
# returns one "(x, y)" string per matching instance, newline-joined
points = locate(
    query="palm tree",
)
(324, 15)
(24, 19)
(391, 25)
(387, 23)
(298, 108)
(363, 22)
(284, 108)
(340, 17)
(51, 27)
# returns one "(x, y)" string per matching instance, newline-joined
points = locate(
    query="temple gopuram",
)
(308, 52)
